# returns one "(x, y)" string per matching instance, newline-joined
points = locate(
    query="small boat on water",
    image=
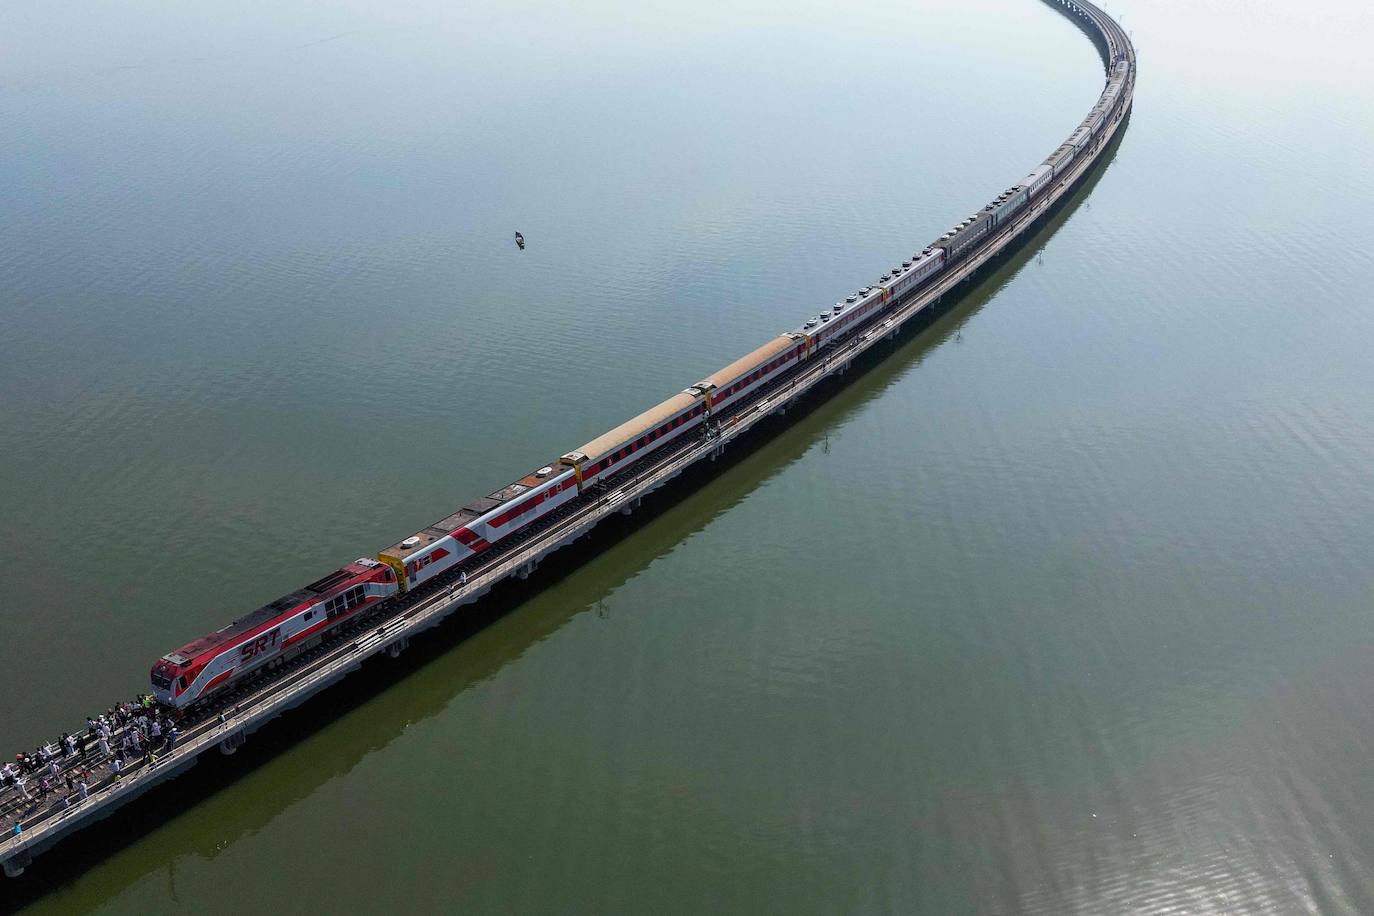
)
(520, 240)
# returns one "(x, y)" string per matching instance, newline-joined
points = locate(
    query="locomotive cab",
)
(168, 678)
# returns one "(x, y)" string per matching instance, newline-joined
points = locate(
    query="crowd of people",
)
(69, 769)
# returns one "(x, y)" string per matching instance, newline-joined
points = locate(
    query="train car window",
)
(309, 614)
(182, 681)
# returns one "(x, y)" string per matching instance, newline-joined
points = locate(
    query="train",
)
(282, 629)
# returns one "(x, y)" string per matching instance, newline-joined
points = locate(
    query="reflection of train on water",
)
(280, 630)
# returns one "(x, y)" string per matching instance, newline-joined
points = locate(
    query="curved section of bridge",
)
(225, 722)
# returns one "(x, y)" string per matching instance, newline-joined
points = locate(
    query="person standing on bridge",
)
(463, 579)
(171, 739)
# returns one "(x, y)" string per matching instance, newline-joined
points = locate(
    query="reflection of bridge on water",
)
(389, 629)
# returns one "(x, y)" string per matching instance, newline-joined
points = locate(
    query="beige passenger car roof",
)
(631, 430)
(763, 354)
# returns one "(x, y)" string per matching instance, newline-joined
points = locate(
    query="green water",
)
(1064, 606)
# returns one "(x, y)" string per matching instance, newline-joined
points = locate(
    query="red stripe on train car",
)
(217, 680)
(310, 631)
(516, 511)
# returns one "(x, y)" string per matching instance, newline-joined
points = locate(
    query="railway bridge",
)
(32, 826)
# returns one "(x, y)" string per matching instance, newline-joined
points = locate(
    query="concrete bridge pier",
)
(395, 649)
(231, 743)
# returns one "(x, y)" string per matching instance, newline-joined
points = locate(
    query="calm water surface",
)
(1065, 606)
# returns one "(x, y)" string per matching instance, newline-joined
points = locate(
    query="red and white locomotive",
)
(272, 634)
